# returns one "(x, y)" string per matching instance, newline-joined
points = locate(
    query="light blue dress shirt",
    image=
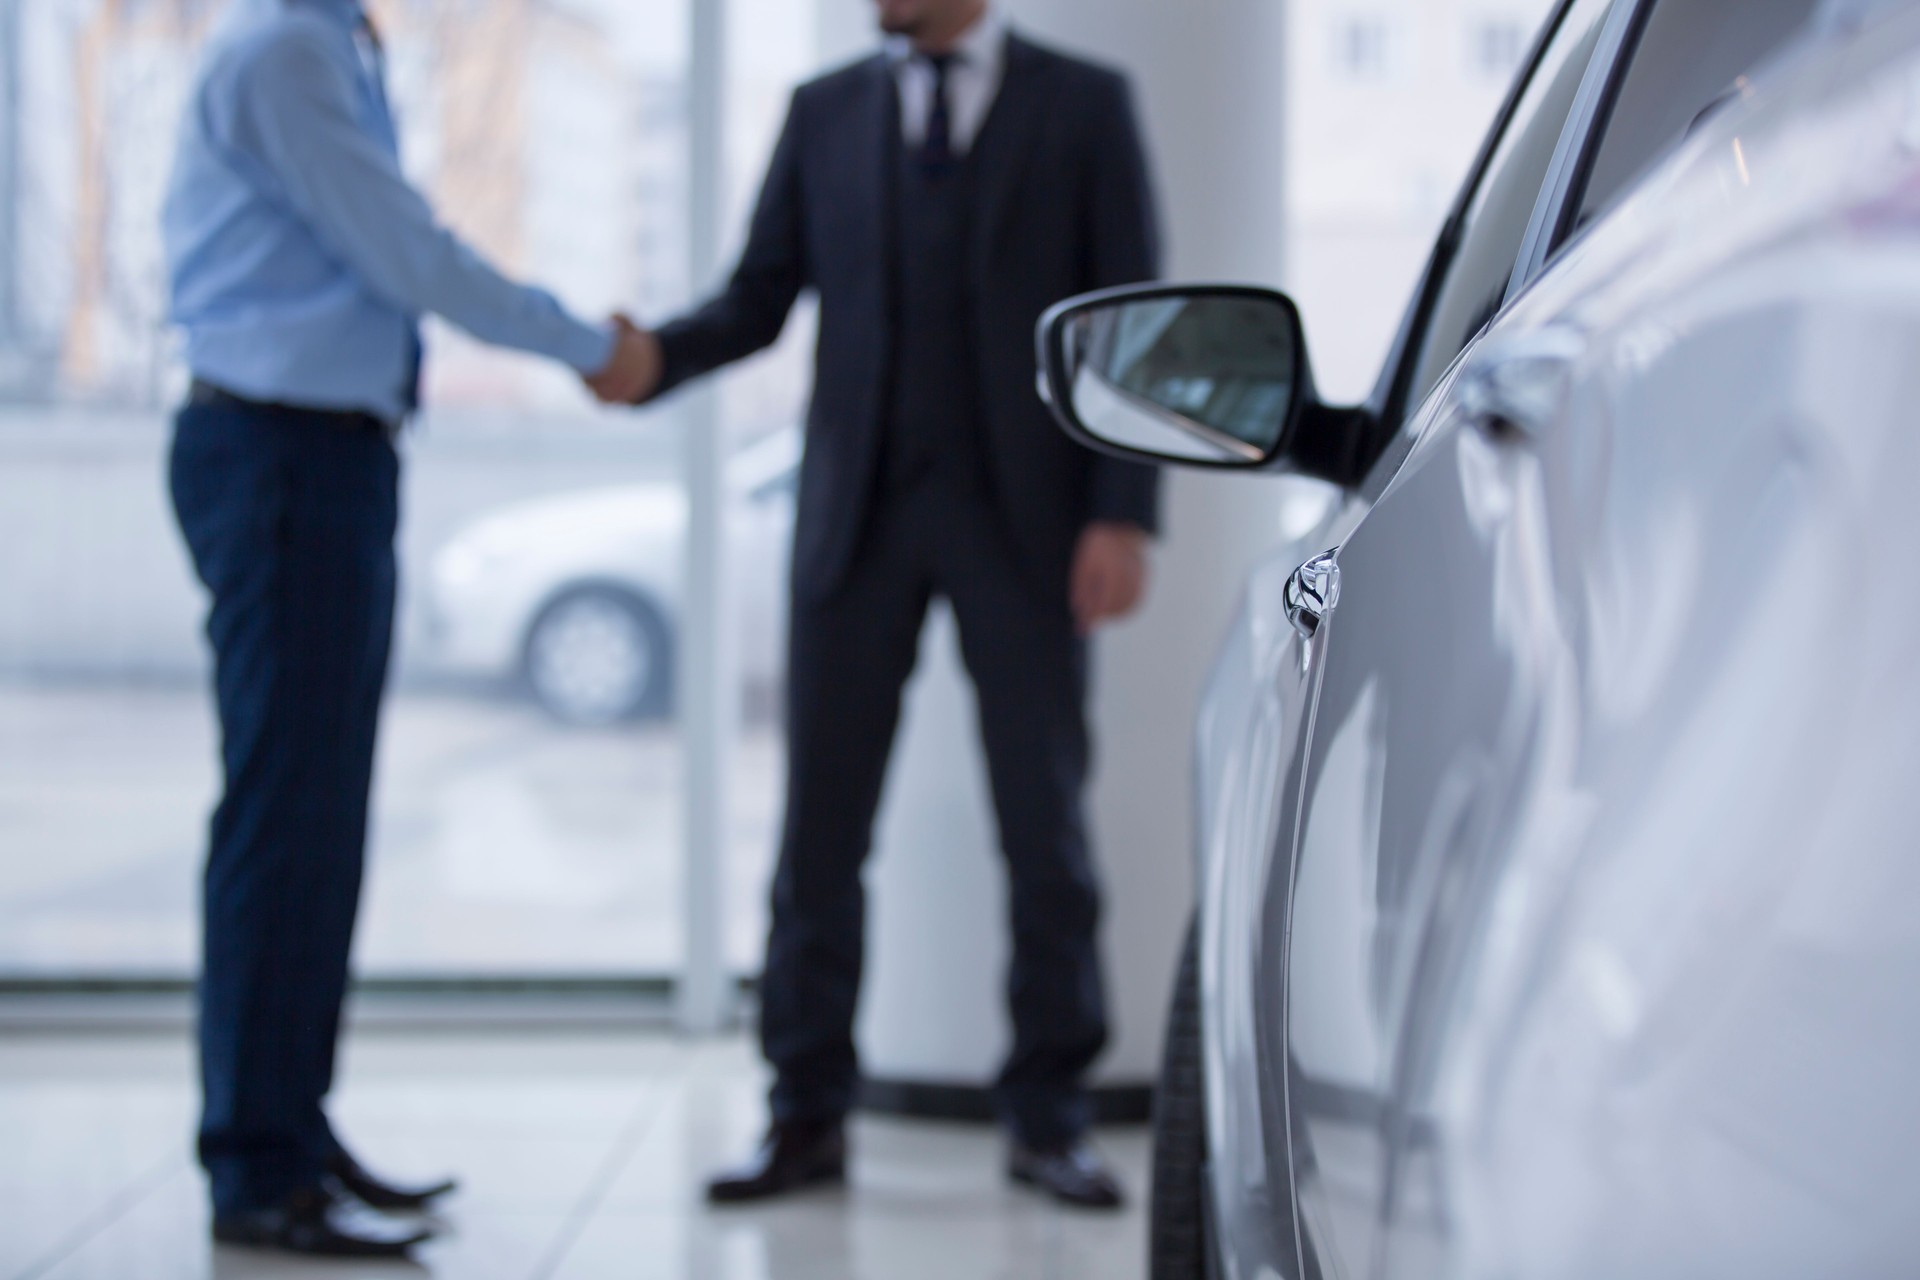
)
(300, 257)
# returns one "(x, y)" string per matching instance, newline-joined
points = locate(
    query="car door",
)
(1437, 662)
(1688, 59)
(1328, 1000)
(1425, 687)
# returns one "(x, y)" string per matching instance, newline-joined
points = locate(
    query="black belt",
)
(206, 394)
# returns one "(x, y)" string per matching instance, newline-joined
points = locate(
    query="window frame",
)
(1390, 403)
(1573, 162)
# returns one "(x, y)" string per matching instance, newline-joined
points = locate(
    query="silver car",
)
(576, 597)
(1559, 896)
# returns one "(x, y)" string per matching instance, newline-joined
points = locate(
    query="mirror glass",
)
(1202, 378)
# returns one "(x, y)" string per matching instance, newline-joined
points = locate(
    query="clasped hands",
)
(633, 374)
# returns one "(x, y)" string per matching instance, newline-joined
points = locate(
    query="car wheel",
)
(599, 655)
(1178, 1244)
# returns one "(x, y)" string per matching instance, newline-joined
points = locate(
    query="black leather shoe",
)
(321, 1222)
(379, 1194)
(1073, 1174)
(791, 1157)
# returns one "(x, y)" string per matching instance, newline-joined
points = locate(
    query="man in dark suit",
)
(939, 197)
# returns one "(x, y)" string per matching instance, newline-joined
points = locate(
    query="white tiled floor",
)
(580, 1157)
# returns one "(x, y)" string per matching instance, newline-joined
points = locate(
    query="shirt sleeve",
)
(293, 113)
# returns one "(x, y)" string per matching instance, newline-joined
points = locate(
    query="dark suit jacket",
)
(1064, 207)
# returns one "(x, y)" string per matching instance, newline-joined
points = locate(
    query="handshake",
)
(633, 374)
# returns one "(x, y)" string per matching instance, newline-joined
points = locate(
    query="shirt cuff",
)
(591, 350)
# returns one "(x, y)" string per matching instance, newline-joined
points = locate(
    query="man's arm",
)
(294, 116)
(749, 313)
(1124, 241)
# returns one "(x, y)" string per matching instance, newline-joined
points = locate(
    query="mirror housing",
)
(1207, 376)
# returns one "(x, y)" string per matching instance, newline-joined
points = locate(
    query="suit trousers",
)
(851, 655)
(290, 518)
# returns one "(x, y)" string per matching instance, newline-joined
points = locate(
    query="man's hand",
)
(634, 372)
(1109, 574)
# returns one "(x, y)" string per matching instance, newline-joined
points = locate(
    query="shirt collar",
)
(982, 48)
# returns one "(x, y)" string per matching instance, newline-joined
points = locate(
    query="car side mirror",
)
(1206, 376)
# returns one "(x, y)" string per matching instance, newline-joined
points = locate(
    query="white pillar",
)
(709, 689)
(12, 133)
(1210, 91)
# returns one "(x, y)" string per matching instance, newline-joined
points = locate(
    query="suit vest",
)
(933, 418)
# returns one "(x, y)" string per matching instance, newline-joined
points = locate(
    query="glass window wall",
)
(529, 816)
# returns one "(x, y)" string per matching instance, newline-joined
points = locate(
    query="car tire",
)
(1178, 1243)
(599, 655)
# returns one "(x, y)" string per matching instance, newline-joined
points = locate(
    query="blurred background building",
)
(1386, 100)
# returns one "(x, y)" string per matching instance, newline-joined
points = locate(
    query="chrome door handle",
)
(1519, 386)
(1312, 593)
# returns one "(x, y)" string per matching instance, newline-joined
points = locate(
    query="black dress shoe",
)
(791, 1157)
(1072, 1174)
(322, 1222)
(379, 1194)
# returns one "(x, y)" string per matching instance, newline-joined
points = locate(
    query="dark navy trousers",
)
(290, 518)
(851, 655)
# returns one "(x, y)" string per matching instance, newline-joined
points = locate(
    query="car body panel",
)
(1404, 736)
(1663, 1035)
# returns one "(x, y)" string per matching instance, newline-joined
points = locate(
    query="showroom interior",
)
(557, 966)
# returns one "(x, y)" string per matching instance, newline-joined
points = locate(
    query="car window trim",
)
(1390, 394)
(1575, 153)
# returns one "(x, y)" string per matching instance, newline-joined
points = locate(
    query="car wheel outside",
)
(1178, 1229)
(599, 655)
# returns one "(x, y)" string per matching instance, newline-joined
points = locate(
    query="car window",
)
(1498, 215)
(1689, 58)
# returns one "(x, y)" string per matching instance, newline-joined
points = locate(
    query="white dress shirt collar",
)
(973, 82)
(983, 45)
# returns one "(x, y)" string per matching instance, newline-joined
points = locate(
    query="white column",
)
(12, 129)
(709, 684)
(1208, 78)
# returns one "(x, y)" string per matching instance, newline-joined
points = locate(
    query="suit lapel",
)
(1006, 141)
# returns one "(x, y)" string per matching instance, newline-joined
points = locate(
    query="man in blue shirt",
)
(301, 261)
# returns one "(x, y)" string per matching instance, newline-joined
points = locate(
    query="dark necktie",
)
(937, 151)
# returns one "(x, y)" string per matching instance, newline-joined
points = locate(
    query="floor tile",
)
(823, 1237)
(76, 1154)
(582, 1157)
(166, 1237)
(538, 1147)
